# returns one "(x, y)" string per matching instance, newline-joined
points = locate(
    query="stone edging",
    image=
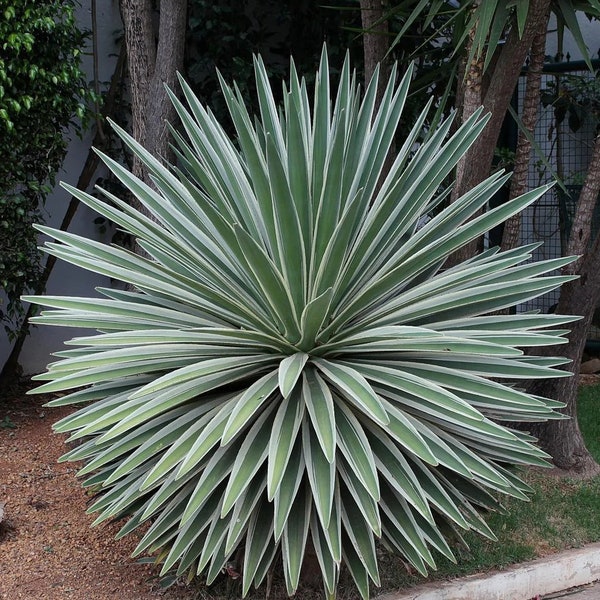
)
(547, 575)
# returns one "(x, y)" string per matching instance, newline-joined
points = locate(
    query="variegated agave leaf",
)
(293, 365)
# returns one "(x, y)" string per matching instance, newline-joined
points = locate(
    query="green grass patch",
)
(563, 513)
(588, 408)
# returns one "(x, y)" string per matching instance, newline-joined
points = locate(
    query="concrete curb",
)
(548, 575)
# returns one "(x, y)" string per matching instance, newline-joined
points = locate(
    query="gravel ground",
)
(48, 551)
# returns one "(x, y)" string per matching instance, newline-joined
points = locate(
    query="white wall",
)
(65, 279)
(590, 31)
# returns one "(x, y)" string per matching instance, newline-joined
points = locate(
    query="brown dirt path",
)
(47, 549)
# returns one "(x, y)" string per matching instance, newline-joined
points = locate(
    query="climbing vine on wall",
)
(42, 94)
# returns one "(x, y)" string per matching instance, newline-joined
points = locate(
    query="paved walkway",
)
(586, 592)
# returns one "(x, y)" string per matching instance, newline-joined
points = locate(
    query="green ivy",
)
(42, 93)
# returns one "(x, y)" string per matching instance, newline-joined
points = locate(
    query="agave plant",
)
(291, 367)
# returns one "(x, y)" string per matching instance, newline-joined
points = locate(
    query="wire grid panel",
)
(566, 155)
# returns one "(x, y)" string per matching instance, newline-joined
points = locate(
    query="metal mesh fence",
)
(566, 148)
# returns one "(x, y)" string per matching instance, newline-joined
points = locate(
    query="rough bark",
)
(529, 116)
(141, 58)
(563, 439)
(376, 41)
(581, 230)
(154, 57)
(500, 81)
(471, 98)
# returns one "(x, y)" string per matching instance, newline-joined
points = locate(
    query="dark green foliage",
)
(575, 98)
(41, 91)
(226, 33)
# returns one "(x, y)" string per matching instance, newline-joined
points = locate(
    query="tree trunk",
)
(563, 439)
(529, 116)
(497, 90)
(581, 230)
(471, 98)
(153, 64)
(376, 42)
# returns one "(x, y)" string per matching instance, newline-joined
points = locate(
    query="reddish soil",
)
(48, 551)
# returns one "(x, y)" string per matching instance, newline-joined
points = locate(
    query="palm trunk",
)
(497, 90)
(563, 439)
(529, 116)
(471, 91)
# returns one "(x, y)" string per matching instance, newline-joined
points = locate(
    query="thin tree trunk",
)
(153, 65)
(376, 42)
(169, 61)
(563, 439)
(141, 59)
(529, 116)
(471, 90)
(500, 81)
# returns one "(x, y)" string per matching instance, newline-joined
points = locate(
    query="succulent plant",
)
(292, 365)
